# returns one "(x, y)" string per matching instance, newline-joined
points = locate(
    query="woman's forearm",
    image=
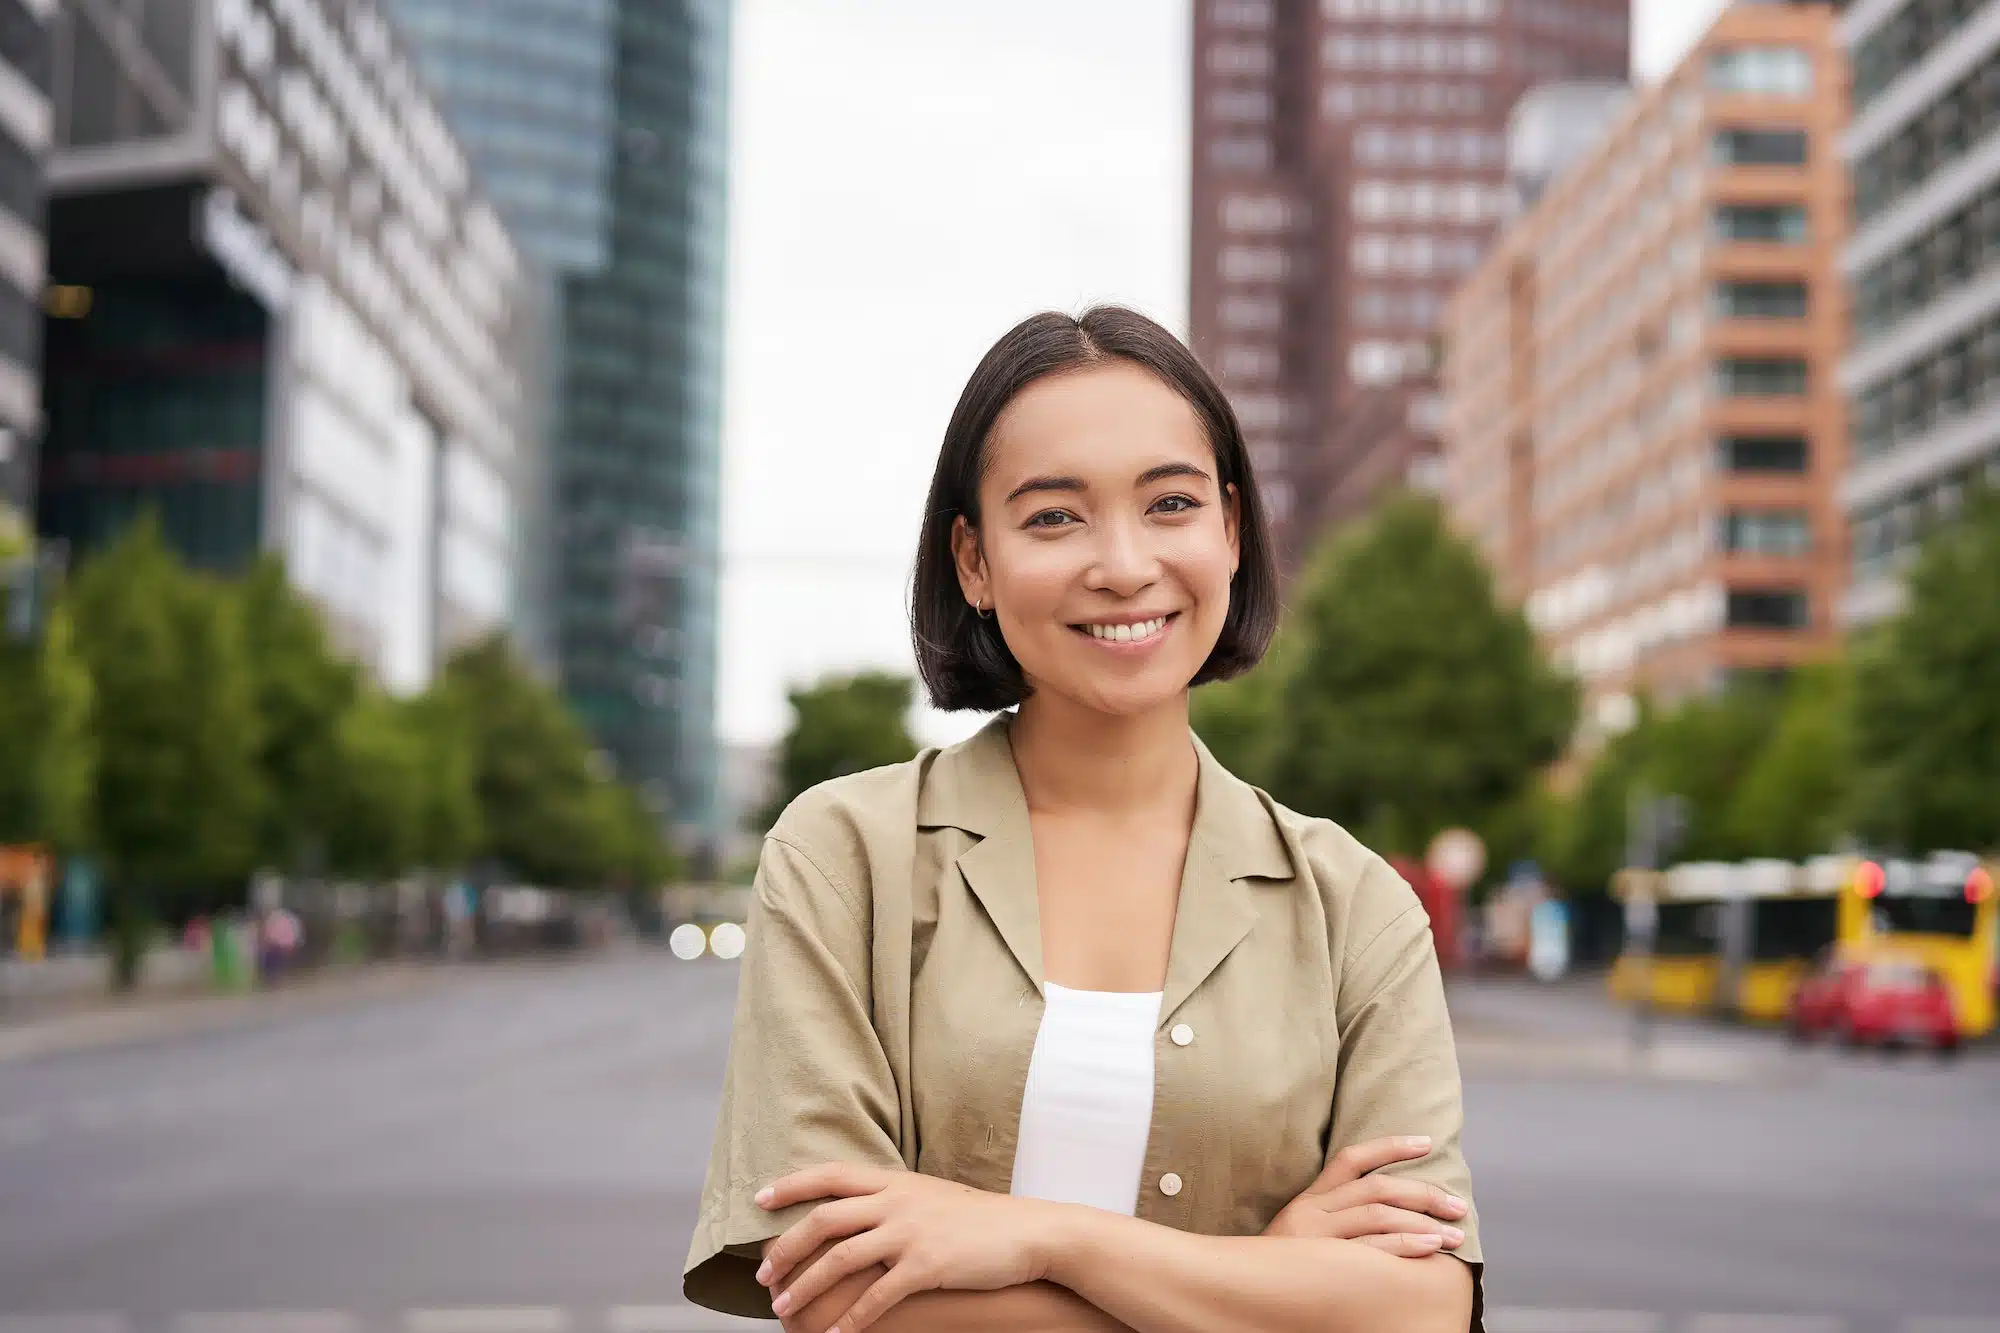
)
(1042, 1307)
(1154, 1279)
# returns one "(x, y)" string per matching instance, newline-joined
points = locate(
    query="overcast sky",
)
(909, 179)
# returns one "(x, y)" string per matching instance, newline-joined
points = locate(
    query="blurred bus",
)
(1682, 970)
(1939, 913)
(1740, 937)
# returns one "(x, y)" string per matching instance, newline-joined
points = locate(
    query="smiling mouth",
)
(1140, 632)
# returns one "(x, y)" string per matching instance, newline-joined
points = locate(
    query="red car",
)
(1884, 1003)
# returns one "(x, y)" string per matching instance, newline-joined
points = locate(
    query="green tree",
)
(841, 724)
(48, 738)
(1701, 751)
(303, 692)
(1582, 834)
(177, 792)
(1238, 719)
(1416, 701)
(1797, 799)
(376, 811)
(1927, 714)
(450, 824)
(533, 768)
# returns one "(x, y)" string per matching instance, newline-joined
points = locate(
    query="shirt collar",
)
(974, 786)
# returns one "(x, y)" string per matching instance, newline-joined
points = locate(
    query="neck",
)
(1074, 758)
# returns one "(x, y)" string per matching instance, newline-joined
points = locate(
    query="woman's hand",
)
(1347, 1202)
(928, 1233)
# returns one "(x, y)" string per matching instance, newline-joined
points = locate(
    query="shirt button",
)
(1182, 1034)
(1170, 1184)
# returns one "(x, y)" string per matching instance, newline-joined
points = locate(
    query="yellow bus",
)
(1739, 937)
(1940, 913)
(1681, 972)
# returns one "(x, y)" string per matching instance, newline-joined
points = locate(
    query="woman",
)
(1064, 1027)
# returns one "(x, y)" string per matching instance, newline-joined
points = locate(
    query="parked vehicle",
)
(1892, 1003)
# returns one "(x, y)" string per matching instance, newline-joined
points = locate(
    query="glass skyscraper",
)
(599, 128)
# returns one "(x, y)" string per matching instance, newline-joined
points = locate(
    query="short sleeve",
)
(1398, 1071)
(807, 1080)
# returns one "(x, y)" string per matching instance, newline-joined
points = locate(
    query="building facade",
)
(26, 116)
(1923, 262)
(1350, 168)
(280, 313)
(1644, 424)
(601, 129)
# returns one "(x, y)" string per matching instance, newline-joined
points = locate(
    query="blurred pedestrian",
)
(279, 936)
(1066, 1027)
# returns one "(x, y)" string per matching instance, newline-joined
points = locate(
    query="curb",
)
(131, 1022)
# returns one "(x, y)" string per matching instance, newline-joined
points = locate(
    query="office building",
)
(25, 116)
(1923, 376)
(1350, 168)
(600, 127)
(1644, 424)
(280, 314)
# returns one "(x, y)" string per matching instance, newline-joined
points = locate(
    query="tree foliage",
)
(177, 795)
(48, 738)
(842, 724)
(1798, 798)
(1927, 713)
(304, 692)
(1408, 699)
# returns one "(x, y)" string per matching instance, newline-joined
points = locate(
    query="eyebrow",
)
(1076, 484)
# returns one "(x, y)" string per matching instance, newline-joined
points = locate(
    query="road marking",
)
(1765, 1323)
(64, 1323)
(1527, 1319)
(489, 1319)
(674, 1319)
(268, 1321)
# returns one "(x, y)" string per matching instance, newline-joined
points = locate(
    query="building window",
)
(1784, 224)
(1239, 58)
(1247, 154)
(1240, 107)
(1741, 147)
(1761, 377)
(1255, 213)
(1241, 14)
(1253, 263)
(1783, 71)
(1762, 453)
(1243, 363)
(1760, 300)
(1961, 375)
(1252, 314)
(1780, 532)
(1767, 608)
(1962, 117)
(1950, 253)
(1913, 33)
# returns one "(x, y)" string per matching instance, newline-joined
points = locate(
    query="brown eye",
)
(1176, 504)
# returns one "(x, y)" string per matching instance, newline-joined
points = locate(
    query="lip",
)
(1131, 645)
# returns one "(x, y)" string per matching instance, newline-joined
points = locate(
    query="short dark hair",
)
(962, 658)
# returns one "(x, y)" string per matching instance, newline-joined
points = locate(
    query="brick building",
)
(1350, 168)
(1644, 422)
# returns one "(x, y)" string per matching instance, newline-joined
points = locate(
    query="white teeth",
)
(1145, 629)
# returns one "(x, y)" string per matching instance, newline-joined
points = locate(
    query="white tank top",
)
(1088, 1107)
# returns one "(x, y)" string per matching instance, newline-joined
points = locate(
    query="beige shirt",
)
(891, 994)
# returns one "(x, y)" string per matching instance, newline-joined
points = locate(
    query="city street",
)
(517, 1149)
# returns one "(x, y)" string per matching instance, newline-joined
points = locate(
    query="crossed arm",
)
(899, 1253)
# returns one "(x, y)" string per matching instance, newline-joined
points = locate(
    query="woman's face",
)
(1106, 544)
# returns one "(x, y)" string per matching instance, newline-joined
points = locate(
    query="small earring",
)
(980, 610)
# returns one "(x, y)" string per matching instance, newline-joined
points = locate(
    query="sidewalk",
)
(110, 1020)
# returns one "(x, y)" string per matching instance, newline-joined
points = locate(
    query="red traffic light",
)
(1869, 880)
(1978, 885)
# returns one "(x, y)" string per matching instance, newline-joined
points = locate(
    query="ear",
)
(970, 562)
(1232, 524)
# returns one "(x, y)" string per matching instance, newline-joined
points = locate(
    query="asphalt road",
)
(518, 1150)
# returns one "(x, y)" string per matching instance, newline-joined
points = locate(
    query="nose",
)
(1125, 563)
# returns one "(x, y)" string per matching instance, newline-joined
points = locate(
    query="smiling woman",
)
(1065, 1027)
